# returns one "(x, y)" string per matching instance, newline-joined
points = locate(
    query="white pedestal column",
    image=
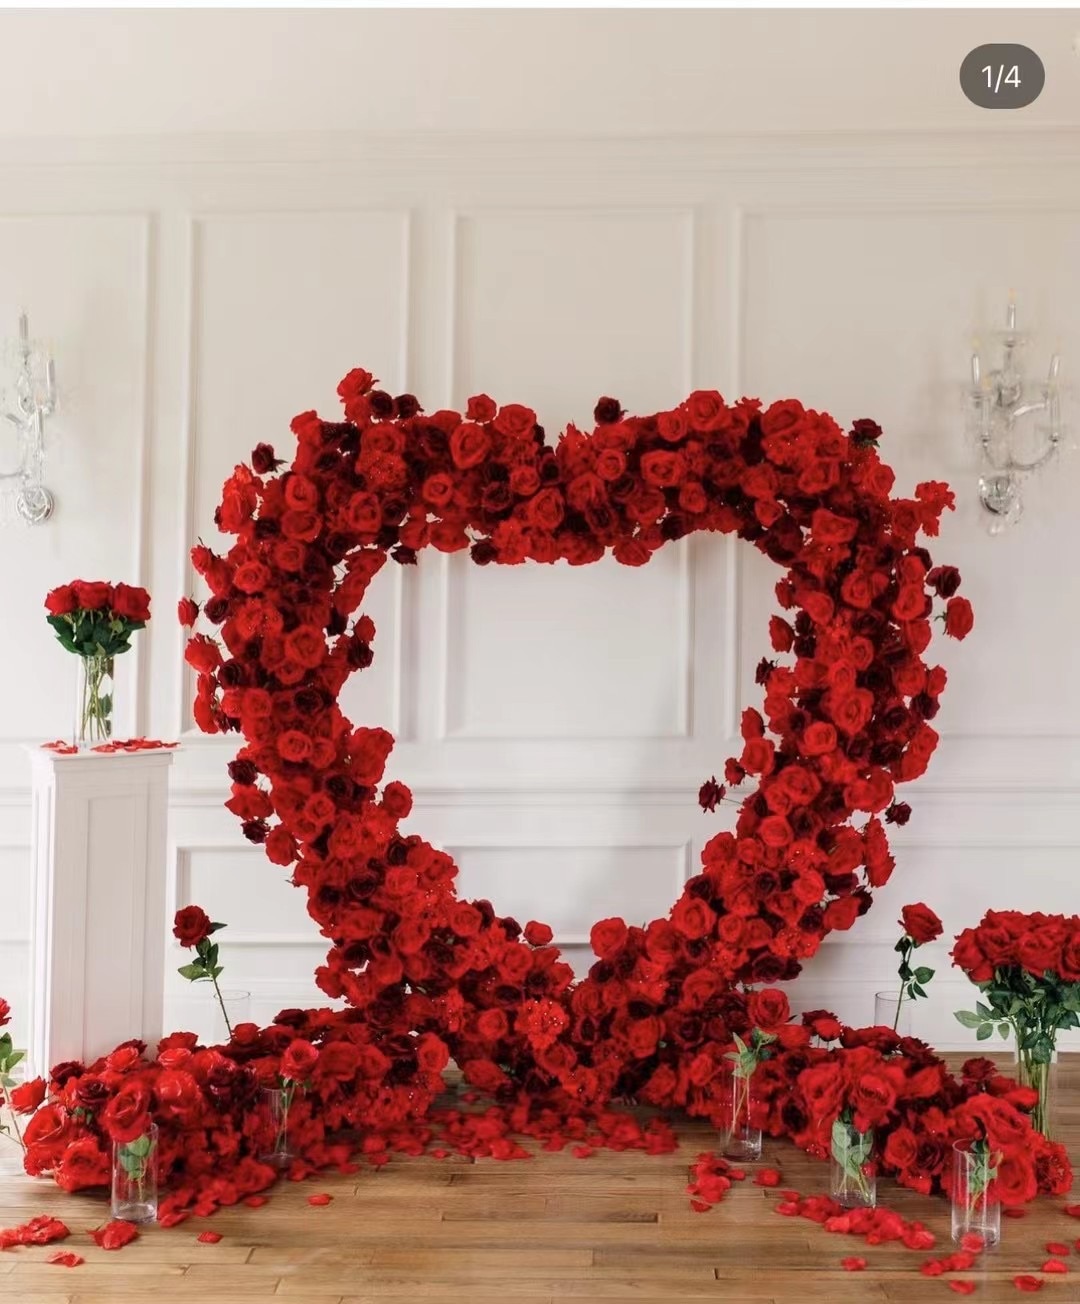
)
(98, 924)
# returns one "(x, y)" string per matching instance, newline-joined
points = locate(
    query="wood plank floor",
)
(549, 1230)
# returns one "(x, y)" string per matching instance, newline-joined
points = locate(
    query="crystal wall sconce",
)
(1005, 407)
(31, 400)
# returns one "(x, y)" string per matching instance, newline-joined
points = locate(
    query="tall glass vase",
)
(1037, 1076)
(277, 1151)
(892, 1012)
(853, 1171)
(95, 701)
(135, 1177)
(975, 1204)
(742, 1138)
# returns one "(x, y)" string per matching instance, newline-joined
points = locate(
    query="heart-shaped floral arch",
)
(845, 718)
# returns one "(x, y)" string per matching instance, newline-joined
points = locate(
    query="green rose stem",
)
(221, 1002)
(205, 967)
(912, 981)
(9, 1057)
(96, 708)
(852, 1149)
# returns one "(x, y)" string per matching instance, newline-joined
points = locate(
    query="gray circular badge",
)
(1002, 76)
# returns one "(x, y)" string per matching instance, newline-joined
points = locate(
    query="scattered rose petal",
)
(932, 1268)
(1054, 1265)
(256, 1201)
(208, 1238)
(320, 1199)
(66, 1259)
(972, 1242)
(1073, 1210)
(768, 1177)
(700, 1206)
(173, 1219)
(1027, 1282)
(1013, 1212)
(853, 1264)
(1057, 1248)
(115, 1235)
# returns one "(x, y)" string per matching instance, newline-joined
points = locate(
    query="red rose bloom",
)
(191, 925)
(61, 601)
(920, 924)
(131, 603)
(298, 1062)
(92, 595)
(959, 618)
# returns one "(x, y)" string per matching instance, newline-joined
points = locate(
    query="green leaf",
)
(923, 975)
(968, 1018)
(984, 1031)
(1003, 1031)
(193, 972)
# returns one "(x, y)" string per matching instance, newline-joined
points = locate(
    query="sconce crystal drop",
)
(1002, 402)
(22, 464)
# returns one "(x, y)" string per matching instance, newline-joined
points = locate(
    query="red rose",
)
(515, 421)
(131, 603)
(492, 1025)
(127, 1116)
(84, 1164)
(469, 444)
(692, 917)
(191, 925)
(841, 913)
(298, 1062)
(187, 612)
(768, 1009)
(294, 746)
(92, 595)
(705, 410)
(959, 618)
(662, 468)
(61, 601)
(920, 924)
(481, 408)
(537, 934)
(203, 654)
(27, 1096)
(607, 937)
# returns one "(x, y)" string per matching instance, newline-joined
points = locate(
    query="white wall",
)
(555, 725)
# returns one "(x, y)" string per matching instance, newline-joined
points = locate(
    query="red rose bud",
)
(187, 612)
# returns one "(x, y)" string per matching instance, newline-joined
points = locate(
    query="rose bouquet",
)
(95, 620)
(1028, 969)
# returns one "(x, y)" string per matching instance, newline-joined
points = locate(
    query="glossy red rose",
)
(298, 1062)
(191, 925)
(959, 618)
(92, 595)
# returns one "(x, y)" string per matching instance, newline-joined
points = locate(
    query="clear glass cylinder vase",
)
(741, 1137)
(892, 1012)
(135, 1178)
(230, 1008)
(853, 1175)
(278, 1151)
(975, 1205)
(95, 701)
(1036, 1076)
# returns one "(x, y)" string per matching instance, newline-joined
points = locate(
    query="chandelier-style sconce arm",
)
(999, 402)
(34, 401)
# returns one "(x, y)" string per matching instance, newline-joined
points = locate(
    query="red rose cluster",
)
(1006, 939)
(118, 601)
(846, 716)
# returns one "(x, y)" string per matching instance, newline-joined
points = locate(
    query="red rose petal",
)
(66, 1259)
(972, 1242)
(320, 1199)
(256, 1201)
(768, 1177)
(173, 1219)
(853, 1264)
(1027, 1282)
(962, 1287)
(1058, 1248)
(208, 1238)
(1073, 1210)
(115, 1235)
(1054, 1265)
(1013, 1212)
(700, 1206)
(932, 1268)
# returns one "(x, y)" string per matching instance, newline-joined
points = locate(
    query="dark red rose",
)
(607, 411)
(920, 924)
(768, 1009)
(469, 444)
(127, 1116)
(187, 612)
(298, 1062)
(607, 937)
(191, 925)
(481, 408)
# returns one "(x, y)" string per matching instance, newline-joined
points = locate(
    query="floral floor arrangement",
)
(668, 1010)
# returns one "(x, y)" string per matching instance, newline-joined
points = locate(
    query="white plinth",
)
(98, 924)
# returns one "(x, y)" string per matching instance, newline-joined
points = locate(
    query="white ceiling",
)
(102, 73)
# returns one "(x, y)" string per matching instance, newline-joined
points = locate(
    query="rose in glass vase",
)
(1027, 967)
(95, 620)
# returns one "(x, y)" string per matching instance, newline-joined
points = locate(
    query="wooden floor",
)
(554, 1228)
